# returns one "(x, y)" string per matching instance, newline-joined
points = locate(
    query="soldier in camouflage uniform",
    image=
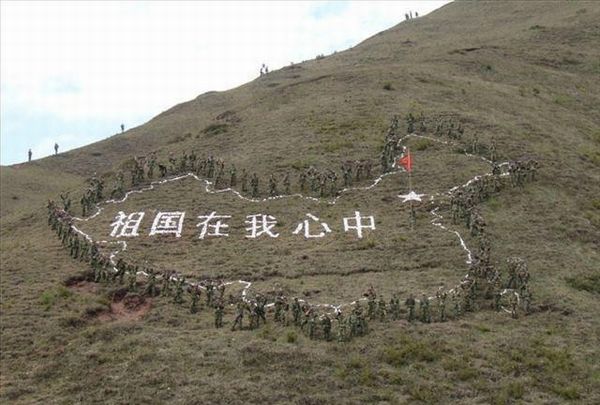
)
(254, 185)
(333, 179)
(311, 323)
(322, 185)
(151, 289)
(279, 304)
(219, 177)
(195, 293)
(424, 308)
(342, 327)
(239, 318)
(66, 200)
(475, 144)
(326, 326)
(165, 289)
(347, 176)
(302, 182)
(244, 180)
(219, 309)
(286, 183)
(232, 176)
(513, 301)
(178, 299)
(395, 307)
(253, 315)
(410, 303)
(441, 296)
(296, 310)
(162, 169)
(457, 303)
(493, 155)
(210, 293)
(371, 303)
(261, 301)
(132, 278)
(381, 309)
(272, 186)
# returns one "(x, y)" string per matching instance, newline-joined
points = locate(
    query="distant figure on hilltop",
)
(56, 148)
(122, 128)
(29, 154)
(264, 69)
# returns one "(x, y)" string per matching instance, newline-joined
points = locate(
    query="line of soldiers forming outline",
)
(462, 206)
(297, 312)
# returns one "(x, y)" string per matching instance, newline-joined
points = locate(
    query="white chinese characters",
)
(260, 224)
(168, 223)
(358, 223)
(216, 225)
(126, 225)
(306, 226)
(212, 225)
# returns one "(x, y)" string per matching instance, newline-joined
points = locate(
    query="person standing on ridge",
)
(29, 153)
(55, 148)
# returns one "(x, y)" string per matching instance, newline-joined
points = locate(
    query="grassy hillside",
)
(524, 74)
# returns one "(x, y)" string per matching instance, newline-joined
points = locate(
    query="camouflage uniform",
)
(219, 309)
(254, 185)
(395, 307)
(424, 307)
(232, 176)
(151, 286)
(326, 325)
(381, 309)
(195, 292)
(272, 186)
(410, 303)
(239, 318)
(244, 180)
(286, 183)
(302, 181)
(178, 299)
(296, 310)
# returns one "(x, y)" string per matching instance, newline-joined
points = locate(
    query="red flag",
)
(406, 162)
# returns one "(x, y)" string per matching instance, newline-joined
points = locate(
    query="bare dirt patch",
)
(130, 308)
(84, 286)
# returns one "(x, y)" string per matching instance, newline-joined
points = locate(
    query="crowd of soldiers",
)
(482, 282)
(391, 146)
(415, 124)
(447, 127)
(319, 183)
(522, 171)
(483, 279)
(92, 195)
(79, 247)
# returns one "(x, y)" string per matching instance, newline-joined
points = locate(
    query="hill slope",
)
(523, 74)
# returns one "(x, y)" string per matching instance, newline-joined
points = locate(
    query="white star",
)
(412, 196)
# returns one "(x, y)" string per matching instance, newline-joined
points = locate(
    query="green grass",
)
(54, 348)
(215, 129)
(51, 297)
(585, 282)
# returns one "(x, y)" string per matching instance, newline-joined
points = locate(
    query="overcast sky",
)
(72, 72)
